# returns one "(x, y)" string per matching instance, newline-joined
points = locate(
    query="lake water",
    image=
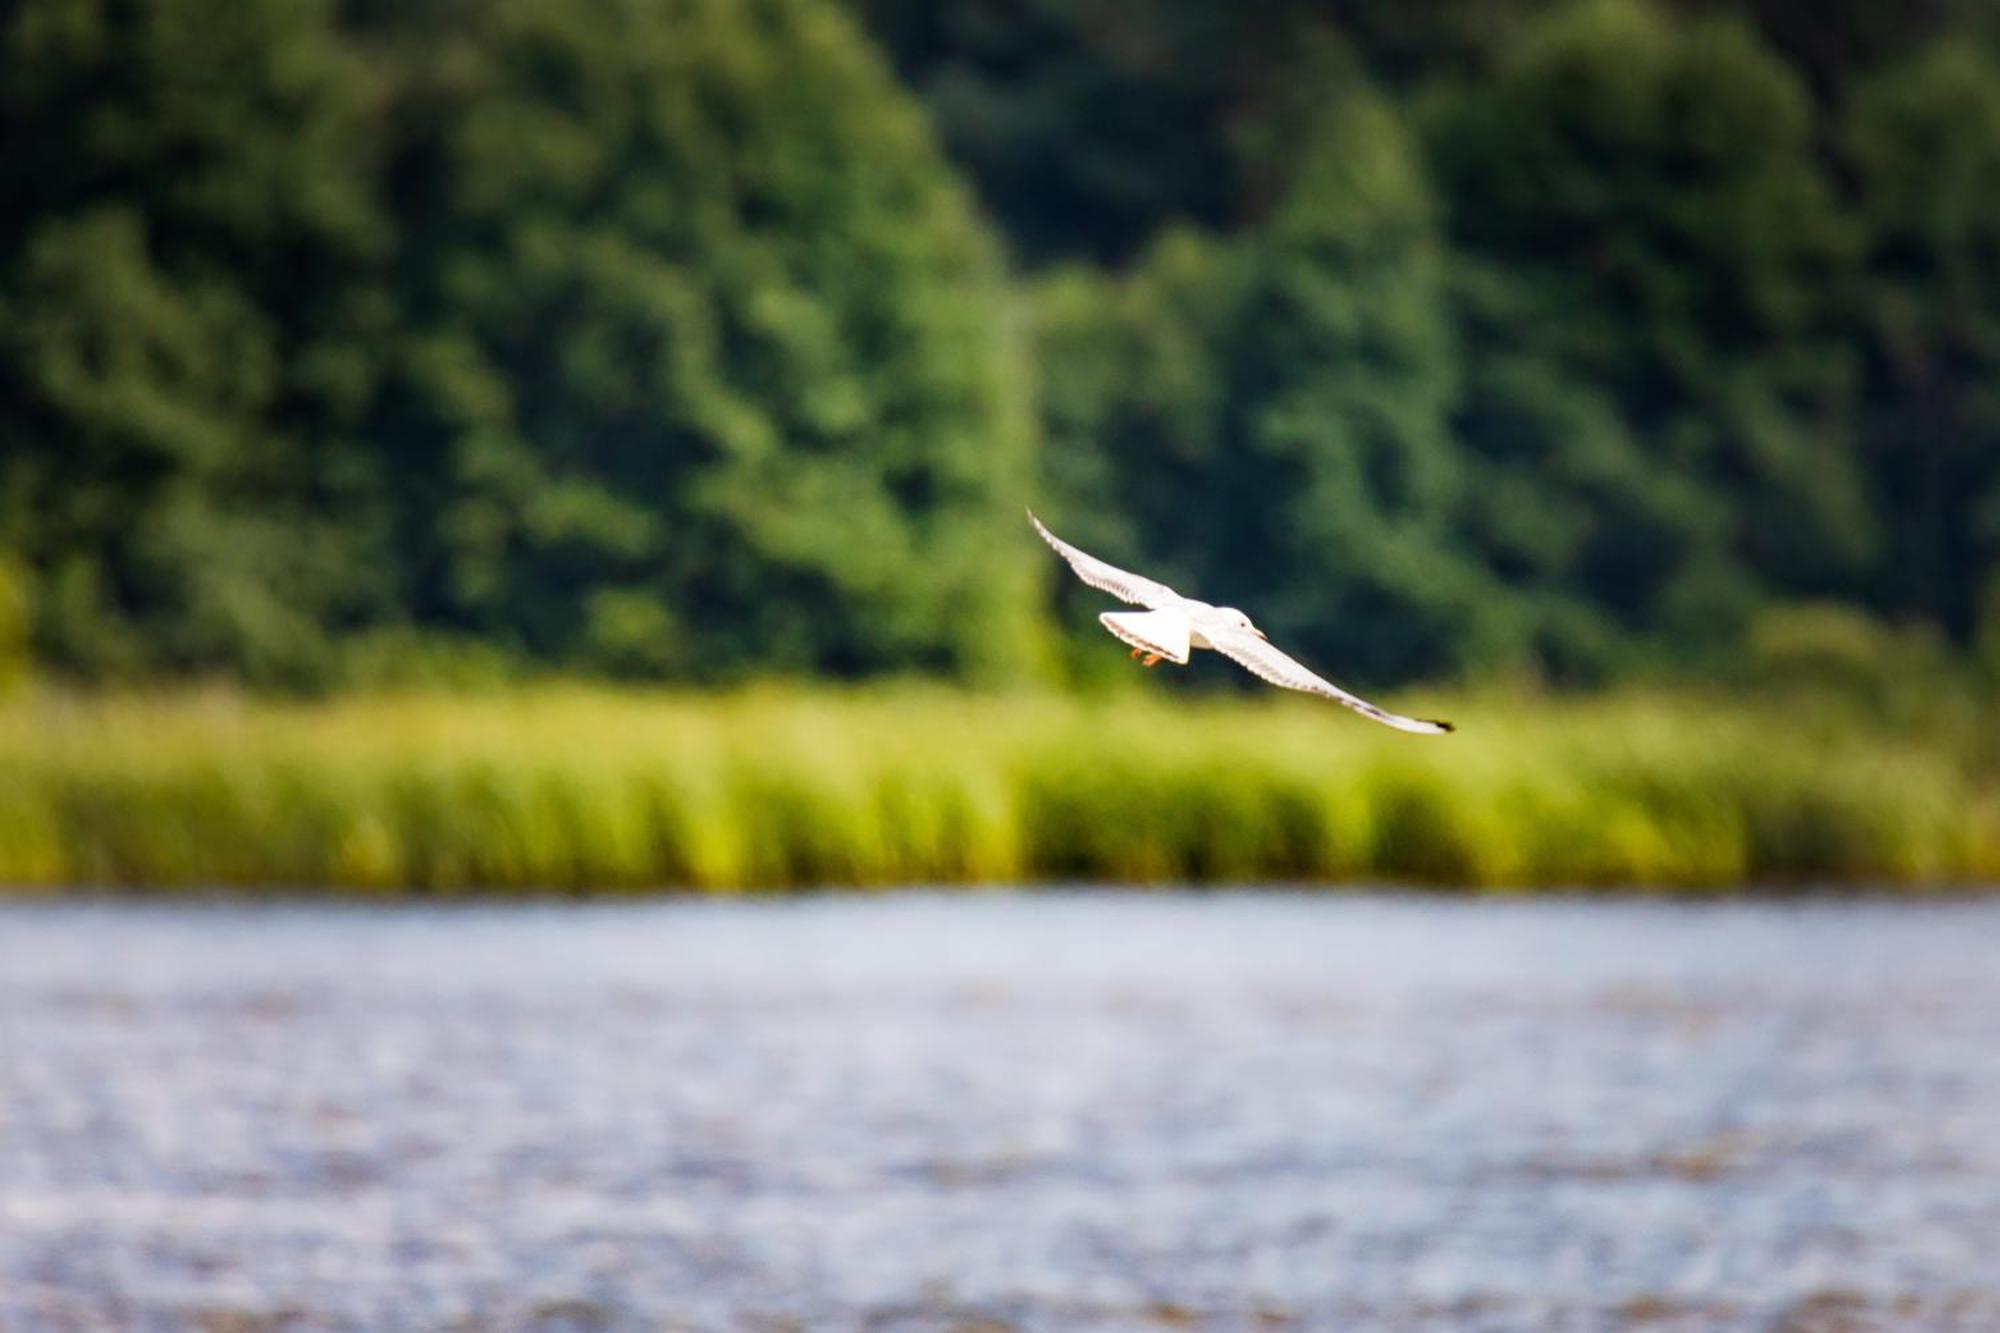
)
(988, 1112)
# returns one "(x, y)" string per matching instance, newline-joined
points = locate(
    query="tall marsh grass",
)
(593, 790)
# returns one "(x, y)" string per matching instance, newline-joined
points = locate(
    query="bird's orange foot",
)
(1134, 654)
(1152, 659)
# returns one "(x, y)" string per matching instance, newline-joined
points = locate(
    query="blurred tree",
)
(1835, 42)
(348, 338)
(1088, 126)
(1404, 43)
(1667, 325)
(1925, 148)
(184, 217)
(1584, 529)
(1269, 415)
(709, 366)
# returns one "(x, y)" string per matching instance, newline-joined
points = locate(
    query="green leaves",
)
(658, 338)
(184, 264)
(1925, 142)
(741, 330)
(1649, 270)
(574, 325)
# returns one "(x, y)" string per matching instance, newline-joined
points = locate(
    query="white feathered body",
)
(1170, 631)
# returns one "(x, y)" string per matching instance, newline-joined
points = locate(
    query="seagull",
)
(1172, 624)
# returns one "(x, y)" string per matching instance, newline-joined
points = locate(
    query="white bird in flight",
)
(1172, 624)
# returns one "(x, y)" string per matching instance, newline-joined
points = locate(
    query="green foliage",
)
(599, 792)
(1595, 417)
(345, 342)
(1925, 143)
(1651, 259)
(1834, 43)
(1084, 129)
(710, 366)
(186, 225)
(1090, 127)
(1713, 284)
(647, 339)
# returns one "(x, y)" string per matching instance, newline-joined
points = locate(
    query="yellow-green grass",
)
(573, 789)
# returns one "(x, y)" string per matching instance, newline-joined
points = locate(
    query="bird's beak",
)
(1260, 634)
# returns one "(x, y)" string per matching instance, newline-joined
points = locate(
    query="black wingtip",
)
(1443, 726)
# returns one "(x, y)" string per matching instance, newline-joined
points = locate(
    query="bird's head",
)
(1237, 620)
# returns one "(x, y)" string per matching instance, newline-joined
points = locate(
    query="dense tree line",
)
(1626, 324)
(646, 336)
(685, 339)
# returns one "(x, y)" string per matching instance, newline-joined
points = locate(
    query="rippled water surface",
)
(986, 1112)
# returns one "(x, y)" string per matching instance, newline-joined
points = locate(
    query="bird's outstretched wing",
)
(1268, 663)
(1127, 586)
